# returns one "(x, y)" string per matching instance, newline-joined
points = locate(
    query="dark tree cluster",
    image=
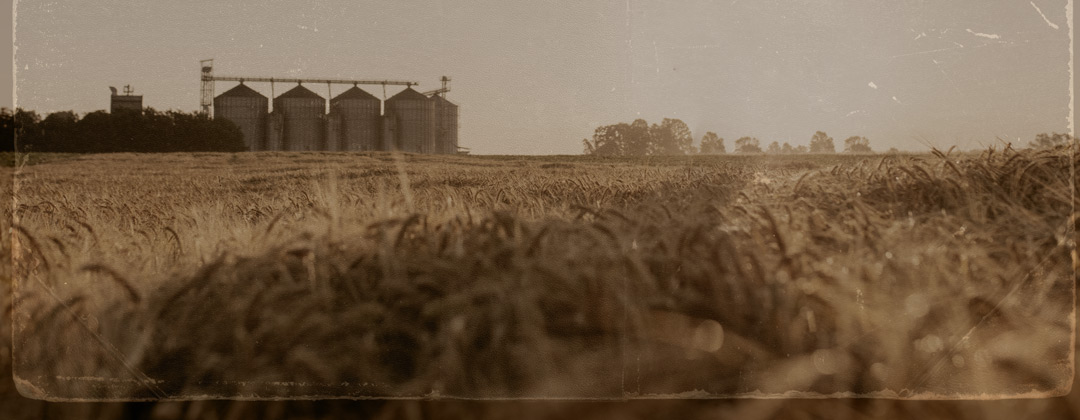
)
(670, 137)
(1050, 141)
(712, 144)
(673, 137)
(857, 144)
(127, 131)
(822, 143)
(748, 145)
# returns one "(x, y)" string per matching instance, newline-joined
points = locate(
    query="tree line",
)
(174, 131)
(673, 137)
(142, 131)
(1052, 140)
(670, 137)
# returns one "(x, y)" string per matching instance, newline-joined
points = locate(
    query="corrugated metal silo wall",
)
(360, 119)
(275, 131)
(446, 126)
(415, 123)
(389, 132)
(248, 113)
(333, 131)
(451, 129)
(303, 122)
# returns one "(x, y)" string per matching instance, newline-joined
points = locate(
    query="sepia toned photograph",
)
(479, 209)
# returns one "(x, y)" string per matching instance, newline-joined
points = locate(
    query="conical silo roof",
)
(299, 92)
(355, 93)
(440, 101)
(242, 90)
(408, 94)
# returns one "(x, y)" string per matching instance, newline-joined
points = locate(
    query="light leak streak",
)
(656, 56)
(1048, 22)
(928, 51)
(982, 35)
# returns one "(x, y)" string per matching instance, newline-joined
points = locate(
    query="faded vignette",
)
(117, 298)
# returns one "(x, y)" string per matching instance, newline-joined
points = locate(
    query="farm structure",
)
(126, 102)
(409, 121)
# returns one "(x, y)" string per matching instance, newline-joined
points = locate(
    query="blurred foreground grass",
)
(893, 276)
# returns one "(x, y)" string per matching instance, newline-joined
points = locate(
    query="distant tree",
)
(197, 132)
(637, 138)
(801, 149)
(94, 134)
(822, 143)
(712, 144)
(130, 131)
(747, 145)
(857, 144)
(893, 151)
(7, 130)
(27, 129)
(608, 140)
(58, 128)
(671, 137)
(1049, 141)
(774, 148)
(684, 138)
(786, 149)
(662, 141)
(225, 134)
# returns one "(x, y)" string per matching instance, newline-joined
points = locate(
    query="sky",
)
(538, 77)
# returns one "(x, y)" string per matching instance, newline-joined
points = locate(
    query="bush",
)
(143, 131)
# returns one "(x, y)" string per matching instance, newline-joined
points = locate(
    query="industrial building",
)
(303, 112)
(446, 125)
(409, 121)
(357, 115)
(127, 101)
(247, 109)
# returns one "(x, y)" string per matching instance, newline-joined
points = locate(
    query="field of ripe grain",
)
(264, 275)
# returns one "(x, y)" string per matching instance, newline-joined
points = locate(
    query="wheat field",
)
(650, 284)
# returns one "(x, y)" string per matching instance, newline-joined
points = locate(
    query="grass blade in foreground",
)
(347, 275)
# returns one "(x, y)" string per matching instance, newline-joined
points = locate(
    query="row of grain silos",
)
(412, 122)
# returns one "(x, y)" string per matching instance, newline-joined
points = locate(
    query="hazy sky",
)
(537, 77)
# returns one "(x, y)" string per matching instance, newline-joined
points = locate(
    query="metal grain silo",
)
(304, 112)
(446, 125)
(247, 109)
(333, 133)
(389, 133)
(413, 116)
(275, 132)
(360, 119)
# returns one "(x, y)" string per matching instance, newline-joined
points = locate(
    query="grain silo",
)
(333, 133)
(275, 131)
(446, 125)
(389, 133)
(413, 117)
(304, 113)
(247, 109)
(360, 120)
